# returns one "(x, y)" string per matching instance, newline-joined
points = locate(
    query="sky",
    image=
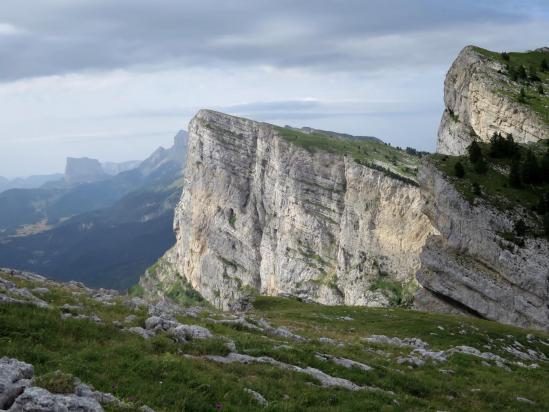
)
(114, 80)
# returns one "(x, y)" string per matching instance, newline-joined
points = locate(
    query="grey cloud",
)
(313, 109)
(62, 36)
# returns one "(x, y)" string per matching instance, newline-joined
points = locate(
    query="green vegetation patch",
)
(494, 183)
(164, 375)
(183, 293)
(400, 164)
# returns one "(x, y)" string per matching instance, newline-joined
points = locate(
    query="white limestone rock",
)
(260, 214)
(476, 107)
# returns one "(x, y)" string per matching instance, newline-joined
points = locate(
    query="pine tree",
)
(475, 153)
(514, 175)
(459, 170)
(496, 145)
(480, 166)
(520, 228)
(530, 169)
(544, 167)
(544, 66)
(521, 73)
(476, 189)
(512, 73)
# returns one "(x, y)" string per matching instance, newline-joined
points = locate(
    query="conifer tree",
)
(480, 166)
(475, 153)
(530, 169)
(514, 175)
(459, 170)
(544, 66)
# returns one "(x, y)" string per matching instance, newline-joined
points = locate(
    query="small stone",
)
(525, 400)
(257, 396)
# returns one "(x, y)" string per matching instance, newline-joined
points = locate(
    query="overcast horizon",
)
(115, 80)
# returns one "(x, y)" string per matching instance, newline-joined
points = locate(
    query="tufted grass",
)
(157, 373)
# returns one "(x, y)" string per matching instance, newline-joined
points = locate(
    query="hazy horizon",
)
(115, 80)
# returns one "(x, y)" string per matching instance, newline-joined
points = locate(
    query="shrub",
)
(232, 217)
(520, 228)
(56, 382)
(459, 170)
(522, 95)
(476, 189)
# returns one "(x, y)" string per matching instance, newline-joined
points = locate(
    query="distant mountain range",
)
(30, 182)
(92, 226)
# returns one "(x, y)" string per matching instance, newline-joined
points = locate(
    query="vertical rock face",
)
(261, 214)
(471, 267)
(476, 107)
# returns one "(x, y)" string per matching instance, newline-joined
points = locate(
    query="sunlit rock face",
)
(476, 107)
(261, 214)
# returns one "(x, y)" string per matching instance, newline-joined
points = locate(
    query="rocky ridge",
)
(476, 106)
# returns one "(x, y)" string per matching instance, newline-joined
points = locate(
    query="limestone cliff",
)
(471, 266)
(481, 98)
(262, 214)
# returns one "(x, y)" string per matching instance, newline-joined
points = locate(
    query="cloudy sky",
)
(115, 79)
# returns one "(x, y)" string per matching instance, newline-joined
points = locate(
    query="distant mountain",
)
(113, 168)
(83, 170)
(104, 233)
(30, 182)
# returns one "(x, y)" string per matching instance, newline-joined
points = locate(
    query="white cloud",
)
(7, 29)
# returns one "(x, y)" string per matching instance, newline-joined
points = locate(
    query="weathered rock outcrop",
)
(260, 214)
(471, 267)
(476, 106)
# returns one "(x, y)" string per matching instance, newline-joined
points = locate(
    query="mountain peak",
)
(83, 170)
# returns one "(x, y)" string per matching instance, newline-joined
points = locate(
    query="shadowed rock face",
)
(475, 107)
(471, 267)
(259, 213)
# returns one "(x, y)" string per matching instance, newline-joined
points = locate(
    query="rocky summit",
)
(485, 93)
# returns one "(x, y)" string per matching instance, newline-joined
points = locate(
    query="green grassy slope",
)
(366, 152)
(494, 184)
(158, 373)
